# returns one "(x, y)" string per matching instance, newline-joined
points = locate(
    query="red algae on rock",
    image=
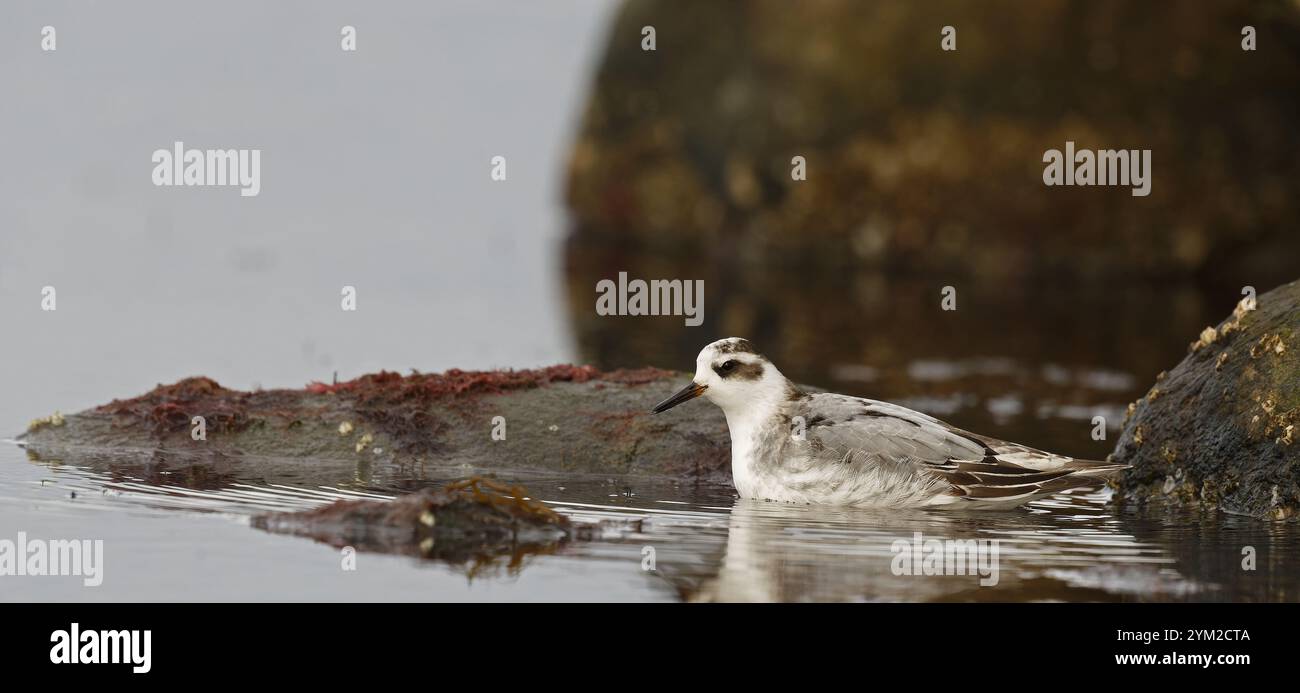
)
(455, 382)
(411, 410)
(170, 408)
(637, 376)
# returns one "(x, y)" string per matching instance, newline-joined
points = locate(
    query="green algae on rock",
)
(1220, 428)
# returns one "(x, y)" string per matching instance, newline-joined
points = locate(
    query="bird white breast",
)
(761, 470)
(749, 459)
(742, 461)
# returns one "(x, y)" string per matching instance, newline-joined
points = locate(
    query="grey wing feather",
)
(976, 467)
(844, 426)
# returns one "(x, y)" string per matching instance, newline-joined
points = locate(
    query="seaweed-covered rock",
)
(1223, 427)
(470, 522)
(561, 419)
(925, 160)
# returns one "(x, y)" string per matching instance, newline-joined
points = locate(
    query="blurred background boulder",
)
(924, 160)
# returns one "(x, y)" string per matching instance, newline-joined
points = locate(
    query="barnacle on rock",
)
(55, 419)
(366, 440)
(1208, 335)
(1266, 344)
(1169, 452)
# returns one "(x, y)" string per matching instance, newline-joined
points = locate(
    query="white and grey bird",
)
(822, 448)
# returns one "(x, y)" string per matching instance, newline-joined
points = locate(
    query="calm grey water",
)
(166, 540)
(375, 175)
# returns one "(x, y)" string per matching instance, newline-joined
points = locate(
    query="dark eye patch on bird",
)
(740, 371)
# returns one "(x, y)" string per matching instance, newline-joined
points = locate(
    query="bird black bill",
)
(687, 393)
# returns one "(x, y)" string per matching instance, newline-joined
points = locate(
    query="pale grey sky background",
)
(375, 173)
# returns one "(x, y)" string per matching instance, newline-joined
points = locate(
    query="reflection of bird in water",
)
(782, 553)
(1070, 549)
(792, 446)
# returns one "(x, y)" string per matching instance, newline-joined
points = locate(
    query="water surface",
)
(173, 531)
